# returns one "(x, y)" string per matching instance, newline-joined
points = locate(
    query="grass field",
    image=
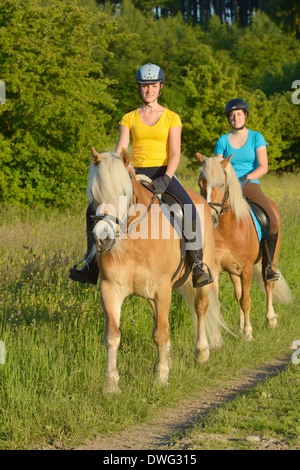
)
(51, 382)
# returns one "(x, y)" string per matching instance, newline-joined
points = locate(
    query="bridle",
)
(122, 228)
(218, 205)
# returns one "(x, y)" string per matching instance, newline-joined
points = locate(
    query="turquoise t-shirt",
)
(243, 160)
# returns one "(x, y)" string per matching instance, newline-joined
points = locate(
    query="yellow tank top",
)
(150, 143)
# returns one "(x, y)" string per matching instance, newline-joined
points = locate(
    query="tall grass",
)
(53, 329)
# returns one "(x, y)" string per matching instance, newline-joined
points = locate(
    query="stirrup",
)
(84, 275)
(86, 264)
(204, 278)
(273, 275)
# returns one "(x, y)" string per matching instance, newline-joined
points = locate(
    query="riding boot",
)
(90, 272)
(267, 261)
(200, 277)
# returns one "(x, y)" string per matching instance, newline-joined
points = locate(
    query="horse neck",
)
(141, 195)
(230, 219)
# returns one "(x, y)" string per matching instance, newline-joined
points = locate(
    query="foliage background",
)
(69, 67)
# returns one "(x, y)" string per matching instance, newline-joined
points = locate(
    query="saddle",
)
(170, 205)
(261, 216)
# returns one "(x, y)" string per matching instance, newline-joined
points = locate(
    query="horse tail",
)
(214, 321)
(281, 293)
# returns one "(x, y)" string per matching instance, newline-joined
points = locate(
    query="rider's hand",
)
(243, 181)
(159, 185)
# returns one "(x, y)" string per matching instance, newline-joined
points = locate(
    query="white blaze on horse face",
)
(208, 192)
(110, 228)
(104, 229)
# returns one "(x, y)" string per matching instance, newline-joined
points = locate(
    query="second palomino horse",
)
(237, 247)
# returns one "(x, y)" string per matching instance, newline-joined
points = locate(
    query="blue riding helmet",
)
(235, 104)
(150, 73)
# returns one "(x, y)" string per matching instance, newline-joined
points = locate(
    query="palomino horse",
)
(131, 261)
(237, 247)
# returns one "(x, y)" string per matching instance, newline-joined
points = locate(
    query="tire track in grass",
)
(158, 434)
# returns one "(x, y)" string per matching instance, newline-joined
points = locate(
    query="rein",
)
(223, 209)
(221, 205)
(108, 218)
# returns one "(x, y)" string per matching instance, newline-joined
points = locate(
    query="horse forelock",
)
(109, 180)
(213, 172)
(215, 176)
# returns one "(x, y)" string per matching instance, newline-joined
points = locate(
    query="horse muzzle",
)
(105, 232)
(104, 246)
(214, 213)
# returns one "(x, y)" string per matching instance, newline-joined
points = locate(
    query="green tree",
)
(207, 88)
(286, 13)
(57, 99)
(263, 48)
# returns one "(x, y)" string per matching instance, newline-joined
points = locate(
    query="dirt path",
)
(157, 435)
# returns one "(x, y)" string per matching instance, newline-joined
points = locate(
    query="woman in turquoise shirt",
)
(250, 162)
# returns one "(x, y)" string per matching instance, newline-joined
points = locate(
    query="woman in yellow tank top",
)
(156, 138)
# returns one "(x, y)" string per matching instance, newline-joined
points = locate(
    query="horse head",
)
(110, 189)
(213, 184)
(220, 186)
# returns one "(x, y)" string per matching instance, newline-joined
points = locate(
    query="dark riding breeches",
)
(174, 187)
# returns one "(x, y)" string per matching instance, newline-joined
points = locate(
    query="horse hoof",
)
(111, 389)
(249, 337)
(162, 377)
(201, 357)
(111, 384)
(273, 324)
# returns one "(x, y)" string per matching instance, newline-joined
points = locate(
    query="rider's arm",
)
(123, 140)
(262, 160)
(174, 150)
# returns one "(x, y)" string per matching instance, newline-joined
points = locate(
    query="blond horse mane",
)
(108, 181)
(213, 171)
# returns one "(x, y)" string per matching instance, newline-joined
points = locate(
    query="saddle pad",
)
(257, 225)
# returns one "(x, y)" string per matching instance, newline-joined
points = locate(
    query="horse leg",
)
(246, 302)
(161, 334)
(215, 337)
(236, 281)
(201, 353)
(111, 302)
(271, 316)
(152, 305)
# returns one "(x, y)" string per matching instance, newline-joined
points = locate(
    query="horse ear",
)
(225, 161)
(125, 157)
(201, 159)
(96, 157)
